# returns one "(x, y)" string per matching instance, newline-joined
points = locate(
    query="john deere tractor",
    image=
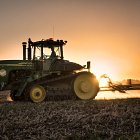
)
(43, 74)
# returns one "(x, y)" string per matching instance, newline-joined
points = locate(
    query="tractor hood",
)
(65, 66)
(15, 63)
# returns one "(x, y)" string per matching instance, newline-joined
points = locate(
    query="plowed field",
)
(96, 119)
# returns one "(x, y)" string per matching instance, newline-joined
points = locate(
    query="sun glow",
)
(103, 82)
(101, 67)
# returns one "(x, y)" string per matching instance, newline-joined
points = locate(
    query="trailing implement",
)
(44, 74)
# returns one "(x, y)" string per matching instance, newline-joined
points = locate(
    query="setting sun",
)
(103, 82)
(101, 67)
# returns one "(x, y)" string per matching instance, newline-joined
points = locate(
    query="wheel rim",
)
(37, 93)
(86, 86)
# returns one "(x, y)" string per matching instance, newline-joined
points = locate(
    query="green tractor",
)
(44, 74)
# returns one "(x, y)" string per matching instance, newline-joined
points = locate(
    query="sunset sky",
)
(106, 32)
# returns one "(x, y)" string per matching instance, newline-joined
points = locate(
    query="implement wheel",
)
(86, 86)
(37, 94)
(13, 97)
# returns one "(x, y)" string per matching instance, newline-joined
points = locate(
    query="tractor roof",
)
(49, 43)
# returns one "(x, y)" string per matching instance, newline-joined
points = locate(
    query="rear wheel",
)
(85, 86)
(37, 93)
(14, 92)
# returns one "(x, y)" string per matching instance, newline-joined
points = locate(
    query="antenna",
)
(53, 31)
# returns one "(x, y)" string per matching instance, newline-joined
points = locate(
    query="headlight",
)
(2, 72)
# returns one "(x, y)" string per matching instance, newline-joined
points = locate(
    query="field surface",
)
(96, 119)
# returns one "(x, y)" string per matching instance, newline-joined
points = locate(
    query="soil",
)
(95, 119)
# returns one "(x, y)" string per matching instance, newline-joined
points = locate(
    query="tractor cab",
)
(43, 53)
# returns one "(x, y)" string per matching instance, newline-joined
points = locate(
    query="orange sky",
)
(106, 32)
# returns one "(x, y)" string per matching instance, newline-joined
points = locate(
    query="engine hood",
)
(65, 65)
(15, 63)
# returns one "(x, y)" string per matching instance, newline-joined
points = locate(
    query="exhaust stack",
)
(24, 50)
(29, 49)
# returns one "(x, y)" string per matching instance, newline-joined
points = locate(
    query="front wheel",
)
(85, 86)
(37, 93)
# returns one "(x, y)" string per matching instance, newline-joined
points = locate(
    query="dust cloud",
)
(117, 95)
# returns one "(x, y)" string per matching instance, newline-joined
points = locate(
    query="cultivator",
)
(118, 87)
